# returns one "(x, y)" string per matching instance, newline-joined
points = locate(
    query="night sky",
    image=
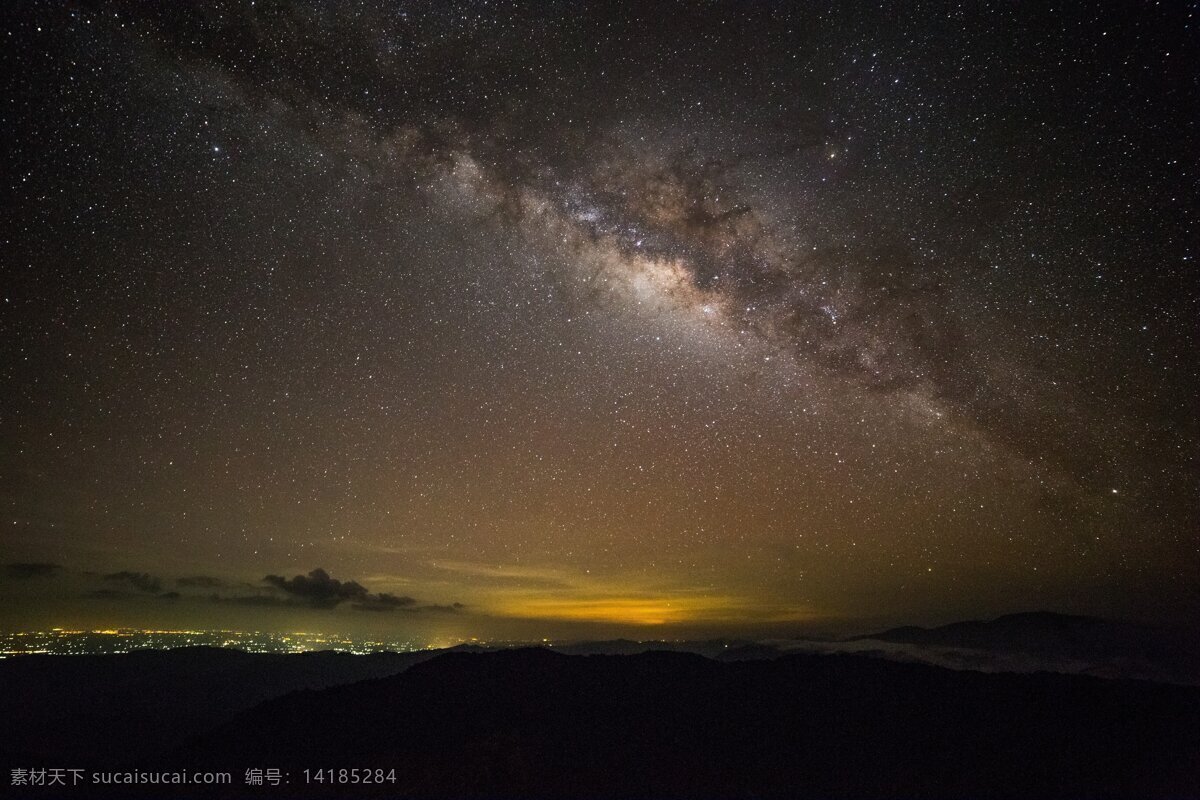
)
(560, 319)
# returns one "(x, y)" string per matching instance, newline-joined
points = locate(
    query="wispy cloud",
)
(141, 581)
(24, 570)
(501, 574)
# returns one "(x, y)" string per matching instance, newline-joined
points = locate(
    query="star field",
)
(725, 317)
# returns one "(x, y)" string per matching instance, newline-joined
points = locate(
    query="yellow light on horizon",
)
(647, 611)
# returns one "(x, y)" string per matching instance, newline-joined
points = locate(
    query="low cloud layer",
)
(141, 581)
(200, 582)
(316, 590)
(24, 570)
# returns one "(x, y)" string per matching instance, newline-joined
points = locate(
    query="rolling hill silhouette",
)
(534, 723)
(624, 719)
(110, 709)
(1097, 646)
(1037, 632)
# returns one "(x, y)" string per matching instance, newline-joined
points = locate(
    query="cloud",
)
(393, 600)
(385, 602)
(141, 581)
(409, 605)
(254, 600)
(124, 594)
(107, 594)
(200, 582)
(318, 589)
(452, 608)
(24, 570)
(507, 574)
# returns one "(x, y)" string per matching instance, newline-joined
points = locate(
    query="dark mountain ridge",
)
(1028, 630)
(629, 719)
(110, 709)
(534, 723)
(1166, 654)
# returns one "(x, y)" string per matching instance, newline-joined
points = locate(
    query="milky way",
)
(544, 316)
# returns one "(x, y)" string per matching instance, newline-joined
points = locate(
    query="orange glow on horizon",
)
(647, 610)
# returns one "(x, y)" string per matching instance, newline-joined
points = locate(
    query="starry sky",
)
(565, 319)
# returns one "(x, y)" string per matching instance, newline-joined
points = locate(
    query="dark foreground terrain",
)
(535, 723)
(110, 709)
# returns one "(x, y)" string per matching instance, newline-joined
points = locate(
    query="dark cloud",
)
(393, 600)
(23, 570)
(410, 607)
(141, 581)
(385, 602)
(318, 589)
(108, 594)
(262, 600)
(137, 586)
(200, 582)
(452, 608)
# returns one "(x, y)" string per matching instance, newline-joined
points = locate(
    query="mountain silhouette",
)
(535, 723)
(109, 709)
(716, 719)
(1033, 631)
(1112, 648)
